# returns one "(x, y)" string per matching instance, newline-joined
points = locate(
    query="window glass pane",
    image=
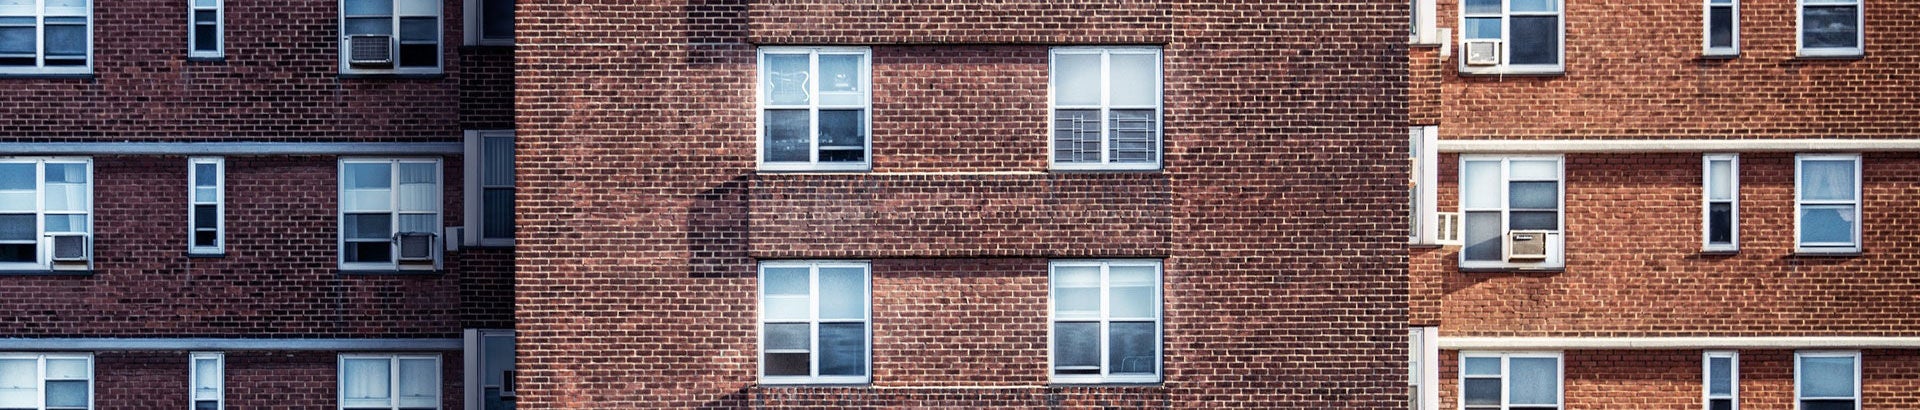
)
(497, 161)
(1481, 185)
(16, 176)
(787, 364)
(1720, 376)
(1536, 40)
(369, 175)
(1720, 222)
(839, 73)
(1482, 392)
(17, 227)
(19, 383)
(370, 252)
(1483, 6)
(497, 18)
(418, 191)
(787, 136)
(205, 175)
(205, 216)
(1130, 292)
(1076, 291)
(1483, 28)
(66, 223)
(789, 336)
(1826, 224)
(18, 252)
(419, 381)
(18, 40)
(419, 223)
(66, 39)
(1076, 345)
(1830, 27)
(1134, 136)
(786, 80)
(206, 405)
(67, 173)
(67, 394)
(17, 200)
(1535, 220)
(843, 293)
(1826, 377)
(66, 197)
(497, 360)
(1134, 81)
(1826, 180)
(787, 281)
(1720, 181)
(1130, 347)
(1826, 405)
(498, 222)
(365, 379)
(369, 226)
(67, 369)
(417, 29)
(843, 136)
(843, 349)
(1534, 380)
(1720, 32)
(1076, 136)
(1483, 366)
(1720, 404)
(370, 7)
(1076, 79)
(1534, 195)
(419, 55)
(371, 26)
(1536, 6)
(206, 383)
(787, 308)
(1482, 236)
(205, 238)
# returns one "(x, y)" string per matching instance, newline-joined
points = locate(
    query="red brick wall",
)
(1670, 379)
(254, 380)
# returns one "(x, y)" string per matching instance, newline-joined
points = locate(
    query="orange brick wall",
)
(1671, 379)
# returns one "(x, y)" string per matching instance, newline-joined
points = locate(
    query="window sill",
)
(1818, 56)
(1719, 252)
(391, 272)
(206, 255)
(1512, 270)
(31, 76)
(1511, 71)
(1720, 55)
(1089, 170)
(1108, 384)
(1803, 253)
(393, 76)
(805, 385)
(88, 272)
(207, 59)
(1419, 245)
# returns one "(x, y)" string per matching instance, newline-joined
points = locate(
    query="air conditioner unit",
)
(1446, 229)
(69, 247)
(1483, 52)
(370, 50)
(1527, 245)
(415, 246)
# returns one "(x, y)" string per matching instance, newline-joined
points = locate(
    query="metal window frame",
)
(1556, 244)
(1424, 147)
(41, 369)
(219, 204)
(1707, 201)
(40, 12)
(1706, 378)
(193, 378)
(1105, 320)
(395, 15)
(439, 210)
(43, 247)
(1799, 376)
(1106, 107)
(1706, 29)
(393, 377)
(1800, 204)
(219, 10)
(1800, 31)
(1506, 65)
(762, 104)
(474, 352)
(474, 166)
(813, 321)
(475, 30)
(1506, 379)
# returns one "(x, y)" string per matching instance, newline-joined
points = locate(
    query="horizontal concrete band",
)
(1650, 146)
(107, 344)
(1677, 343)
(230, 148)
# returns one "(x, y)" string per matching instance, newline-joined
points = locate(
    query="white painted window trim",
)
(1426, 368)
(1423, 21)
(401, 9)
(1707, 201)
(219, 10)
(1506, 46)
(393, 164)
(219, 205)
(1860, 34)
(1706, 26)
(393, 377)
(1159, 323)
(813, 320)
(762, 104)
(43, 246)
(1106, 106)
(1424, 144)
(41, 368)
(39, 12)
(1706, 378)
(1798, 375)
(1799, 204)
(474, 352)
(1556, 243)
(475, 29)
(1506, 381)
(193, 379)
(474, 162)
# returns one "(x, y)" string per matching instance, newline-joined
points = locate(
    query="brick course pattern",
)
(254, 380)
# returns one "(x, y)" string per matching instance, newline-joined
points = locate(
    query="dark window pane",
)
(1536, 40)
(843, 136)
(419, 55)
(369, 226)
(418, 29)
(498, 16)
(1534, 195)
(499, 213)
(1076, 345)
(843, 349)
(206, 37)
(17, 40)
(1076, 136)
(1483, 236)
(1720, 223)
(1720, 404)
(17, 252)
(377, 252)
(1826, 405)
(787, 139)
(369, 25)
(1133, 136)
(206, 405)
(1535, 220)
(1831, 27)
(788, 336)
(17, 227)
(1721, 32)
(1130, 347)
(205, 238)
(1481, 392)
(205, 216)
(66, 40)
(787, 364)
(205, 174)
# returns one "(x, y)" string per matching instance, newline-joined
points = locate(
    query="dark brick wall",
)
(1670, 379)
(254, 380)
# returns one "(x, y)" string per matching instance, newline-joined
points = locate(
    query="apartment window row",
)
(1822, 380)
(816, 322)
(65, 381)
(815, 108)
(1529, 36)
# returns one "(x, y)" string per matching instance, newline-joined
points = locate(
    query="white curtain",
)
(366, 383)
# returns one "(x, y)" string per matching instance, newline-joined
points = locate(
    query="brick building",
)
(1636, 205)
(255, 205)
(982, 204)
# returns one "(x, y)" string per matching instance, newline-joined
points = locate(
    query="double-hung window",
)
(205, 20)
(489, 191)
(1422, 214)
(1721, 203)
(389, 214)
(208, 376)
(46, 37)
(1510, 203)
(1515, 37)
(1421, 17)
(46, 214)
(1721, 380)
(390, 37)
(389, 381)
(489, 22)
(815, 109)
(1722, 28)
(814, 322)
(1106, 108)
(206, 222)
(1826, 380)
(1423, 377)
(1828, 198)
(1106, 321)
(1832, 28)
(46, 381)
(1510, 381)
(490, 368)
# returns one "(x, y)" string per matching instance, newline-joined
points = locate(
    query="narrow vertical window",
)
(1831, 28)
(205, 20)
(1722, 28)
(1106, 108)
(814, 322)
(46, 37)
(1721, 226)
(490, 22)
(815, 106)
(389, 214)
(1424, 377)
(389, 382)
(50, 381)
(490, 365)
(489, 191)
(1827, 380)
(206, 213)
(1510, 381)
(209, 380)
(1828, 198)
(1421, 17)
(1722, 380)
(1422, 213)
(46, 214)
(1106, 321)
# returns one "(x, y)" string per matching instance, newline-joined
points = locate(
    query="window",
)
(490, 366)
(814, 108)
(1831, 28)
(1721, 203)
(205, 25)
(1106, 321)
(46, 37)
(370, 26)
(489, 164)
(389, 381)
(389, 214)
(813, 322)
(1722, 380)
(209, 380)
(489, 22)
(1503, 194)
(1421, 17)
(1527, 35)
(1510, 381)
(50, 381)
(206, 216)
(1106, 108)
(1422, 217)
(1423, 378)
(1722, 28)
(1826, 380)
(46, 213)
(1828, 198)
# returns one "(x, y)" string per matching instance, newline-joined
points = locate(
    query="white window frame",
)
(1506, 42)
(1424, 31)
(475, 200)
(393, 379)
(219, 10)
(1423, 149)
(813, 319)
(41, 368)
(193, 377)
(1800, 30)
(1106, 107)
(439, 213)
(43, 246)
(401, 9)
(1424, 350)
(40, 12)
(1706, 378)
(1798, 375)
(1506, 377)
(475, 30)
(1159, 322)
(1556, 242)
(219, 205)
(762, 104)
(1799, 204)
(475, 352)
(1706, 27)
(1707, 201)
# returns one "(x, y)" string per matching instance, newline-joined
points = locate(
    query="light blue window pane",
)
(786, 281)
(17, 227)
(1130, 292)
(67, 173)
(66, 223)
(1483, 7)
(419, 223)
(67, 197)
(843, 349)
(1481, 185)
(67, 394)
(371, 26)
(1720, 376)
(1826, 377)
(1483, 28)
(787, 79)
(1536, 170)
(788, 136)
(1483, 366)
(1482, 239)
(205, 175)
(370, 7)
(1720, 181)
(1076, 291)
(1826, 180)
(789, 336)
(369, 176)
(1076, 79)
(1134, 81)
(1076, 345)
(1130, 348)
(1536, 40)
(17, 40)
(843, 293)
(1532, 6)
(67, 39)
(66, 3)
(1826, 224)
(417, 173)
(1831, 27)
(839, 73)
(1534, 381)
(15, 176)
(1534, 195)
(366, 379)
